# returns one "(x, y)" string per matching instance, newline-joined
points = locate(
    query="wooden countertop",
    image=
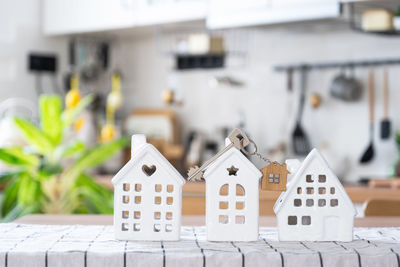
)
(357, 193)
(193, 194)
(269, 221)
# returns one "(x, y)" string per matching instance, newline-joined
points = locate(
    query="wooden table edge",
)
(187, 220)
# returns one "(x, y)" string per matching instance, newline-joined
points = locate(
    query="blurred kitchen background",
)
(189, 71)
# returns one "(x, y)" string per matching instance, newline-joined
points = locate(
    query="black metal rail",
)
(339, 64)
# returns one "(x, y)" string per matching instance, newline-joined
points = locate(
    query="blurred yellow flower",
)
(72, 98)
(78, 124)
(107, 133)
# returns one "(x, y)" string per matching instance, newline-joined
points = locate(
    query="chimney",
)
(138, 140)
(293, 165)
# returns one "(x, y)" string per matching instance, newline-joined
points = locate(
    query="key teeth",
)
(191, 171)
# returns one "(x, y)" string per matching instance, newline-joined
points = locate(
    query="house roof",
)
(274, 165)
(161, 161)
(314, 155)
(233, 152)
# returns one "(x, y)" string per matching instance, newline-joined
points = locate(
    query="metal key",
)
(238, 140)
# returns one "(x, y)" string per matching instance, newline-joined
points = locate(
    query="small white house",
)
(147, 196)
(232, 183)
(315, 206)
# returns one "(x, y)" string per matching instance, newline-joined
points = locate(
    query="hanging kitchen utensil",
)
(289, 80)
(369, 152)
(301, 145)
(385, 123)
(72, 62)
(345, 87)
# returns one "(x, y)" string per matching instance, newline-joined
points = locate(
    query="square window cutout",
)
(138, 199)
(321, 202)
(306, 220)
(334, 202)
(321, 190)
(138, 187)
(126, 187)
(292, 220)
(125, 214)
(157, 215)
(157, 200)
(310, 190)
(309, 178)
(170, 188)
(224, 219)
(297, 202)
(299, 190)
(239, 205)
(170, 200)
(239, 219)
(157, 227)
(136, 227)
(322, 178)
(124, 227)
(168, 215)
(223, 205)
(125, 199)
(168, 228)
(310, 202)
(136, 214)
(157, 188)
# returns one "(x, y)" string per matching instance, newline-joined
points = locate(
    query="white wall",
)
(339, 129)
(20, 33)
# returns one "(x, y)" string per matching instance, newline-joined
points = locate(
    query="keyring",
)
(252, 153)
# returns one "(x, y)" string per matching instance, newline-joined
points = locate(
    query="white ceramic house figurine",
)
(315, 206)
(232, 183)
(147, 196)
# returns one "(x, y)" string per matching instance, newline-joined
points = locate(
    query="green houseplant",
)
(50, 174)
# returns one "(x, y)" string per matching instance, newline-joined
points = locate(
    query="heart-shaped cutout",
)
(149, 170)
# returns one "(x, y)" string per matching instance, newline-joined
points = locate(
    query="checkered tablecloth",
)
(95, 246)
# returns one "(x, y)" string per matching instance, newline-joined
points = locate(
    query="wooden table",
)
(268, 221)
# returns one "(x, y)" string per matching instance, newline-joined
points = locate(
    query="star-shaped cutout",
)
(232, 170)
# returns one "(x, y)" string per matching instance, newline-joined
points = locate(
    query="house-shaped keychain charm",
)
(315, 206)
(147, 196)
(274, 177)
(232, 183)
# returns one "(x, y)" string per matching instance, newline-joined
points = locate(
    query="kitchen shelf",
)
(385, 33)
(355, 10)
(173, 44)
(201, 61)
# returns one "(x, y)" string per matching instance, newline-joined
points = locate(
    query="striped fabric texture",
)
(95, 246)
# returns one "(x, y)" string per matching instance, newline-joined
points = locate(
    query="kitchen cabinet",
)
(236, 13)
(82, 16)
(152, 12)
(79, 16)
